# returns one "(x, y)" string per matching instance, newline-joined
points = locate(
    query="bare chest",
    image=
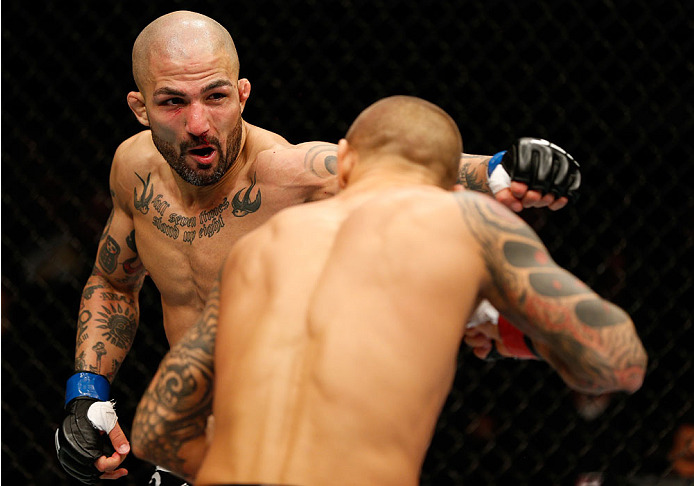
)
(183, 250)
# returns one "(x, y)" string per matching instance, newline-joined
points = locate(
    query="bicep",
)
(117, 258)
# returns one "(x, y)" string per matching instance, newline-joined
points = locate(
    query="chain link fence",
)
(610, 81)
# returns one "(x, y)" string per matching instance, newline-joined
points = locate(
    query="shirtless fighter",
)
(189, 187)
(338, 323)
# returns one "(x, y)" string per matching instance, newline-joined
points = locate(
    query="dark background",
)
(609, 81)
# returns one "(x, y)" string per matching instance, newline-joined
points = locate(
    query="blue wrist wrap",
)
(494, 161)
(87, 385)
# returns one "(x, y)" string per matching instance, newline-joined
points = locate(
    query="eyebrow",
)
(174, 92)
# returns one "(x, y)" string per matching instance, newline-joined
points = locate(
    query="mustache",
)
(196, 141)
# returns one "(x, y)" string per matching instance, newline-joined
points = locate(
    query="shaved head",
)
(412, 128)
(180, 36)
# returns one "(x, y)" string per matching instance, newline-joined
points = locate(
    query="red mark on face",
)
(556, 284)
(204, 138)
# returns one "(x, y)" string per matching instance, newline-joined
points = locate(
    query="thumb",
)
(119, 440)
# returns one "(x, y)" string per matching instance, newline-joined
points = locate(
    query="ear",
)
(136, 102)
(347, 157)
(244, 92)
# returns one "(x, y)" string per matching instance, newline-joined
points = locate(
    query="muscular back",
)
(346, 344)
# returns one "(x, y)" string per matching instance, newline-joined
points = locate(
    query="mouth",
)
(204, 155)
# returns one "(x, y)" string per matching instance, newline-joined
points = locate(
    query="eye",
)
(172, 102)
(217, 96)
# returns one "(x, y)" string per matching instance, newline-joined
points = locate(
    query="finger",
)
(109, 463)
(531, 199)
(119, 440)
(481, 352)
(559, 203)
(518, 189)
(476, 341)
(490, 330)
(506, 198)
(118, 473)
(546, 200)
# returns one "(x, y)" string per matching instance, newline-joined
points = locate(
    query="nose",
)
(197, 122)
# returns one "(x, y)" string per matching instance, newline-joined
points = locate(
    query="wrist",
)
(497, 177)
(84, 384)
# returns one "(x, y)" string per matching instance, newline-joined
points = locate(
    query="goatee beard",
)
(193, 175)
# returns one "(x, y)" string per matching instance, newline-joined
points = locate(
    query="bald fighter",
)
(191, 185)
(336, 325)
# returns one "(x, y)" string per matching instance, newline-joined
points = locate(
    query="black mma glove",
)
(78, 441)
(541, 165)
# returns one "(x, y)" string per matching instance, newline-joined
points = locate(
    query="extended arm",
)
(169, 426)
(534, 173)
(591, 342)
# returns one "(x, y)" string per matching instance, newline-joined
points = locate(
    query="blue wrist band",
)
(87, 385)
(494, 161)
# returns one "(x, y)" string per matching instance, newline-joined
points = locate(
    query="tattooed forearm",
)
(599, 313)
(589, 341)
(556, 284)
(472, 173)
(169, 426)
(84, 317)
(106, 327)
(119, 325)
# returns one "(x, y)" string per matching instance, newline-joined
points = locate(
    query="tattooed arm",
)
(591, 342)
(109, 309)
(320, 160)
(472, 173)
(169, 426)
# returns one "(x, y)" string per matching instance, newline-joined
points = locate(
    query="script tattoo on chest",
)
(189, 228)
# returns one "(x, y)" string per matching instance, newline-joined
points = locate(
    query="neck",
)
(388, 172)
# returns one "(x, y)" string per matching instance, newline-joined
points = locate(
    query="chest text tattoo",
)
(189, 228)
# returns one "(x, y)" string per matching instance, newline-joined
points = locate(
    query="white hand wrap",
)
(485, 312)
(103, 416)
(499, 179)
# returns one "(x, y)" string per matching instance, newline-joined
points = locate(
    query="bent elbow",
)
(631, 377)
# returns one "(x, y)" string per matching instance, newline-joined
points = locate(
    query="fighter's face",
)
(194, 109)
